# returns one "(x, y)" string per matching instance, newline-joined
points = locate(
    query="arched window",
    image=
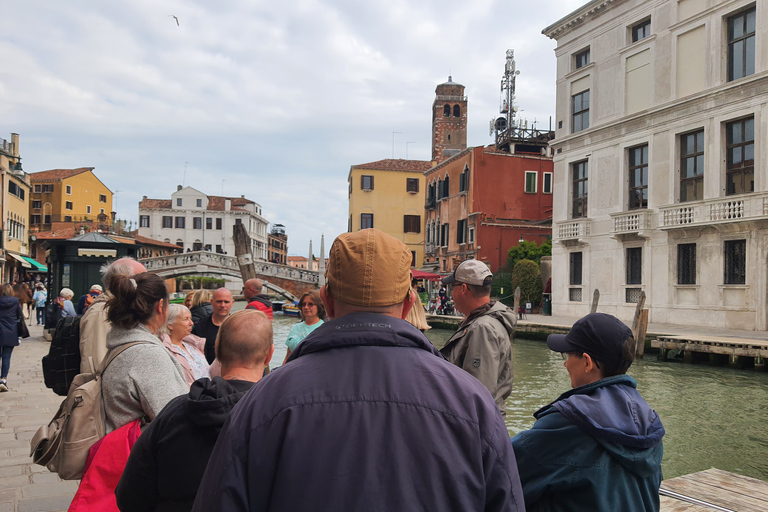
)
(456, 111)
(447, 111)
(439, 189)
(446, 186)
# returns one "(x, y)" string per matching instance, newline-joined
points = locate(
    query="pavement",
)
(24, 486)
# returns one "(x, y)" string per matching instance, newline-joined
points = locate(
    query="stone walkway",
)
(27, 487)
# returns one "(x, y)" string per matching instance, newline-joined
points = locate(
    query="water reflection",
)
(714, 417)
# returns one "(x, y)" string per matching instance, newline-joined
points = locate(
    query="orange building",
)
(482, 201)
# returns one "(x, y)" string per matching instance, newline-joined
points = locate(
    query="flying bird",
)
(176, 18)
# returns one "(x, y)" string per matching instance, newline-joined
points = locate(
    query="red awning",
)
(418, 274)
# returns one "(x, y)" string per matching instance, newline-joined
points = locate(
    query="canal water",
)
(714, 416)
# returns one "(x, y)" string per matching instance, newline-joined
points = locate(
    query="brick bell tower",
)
(449, 121)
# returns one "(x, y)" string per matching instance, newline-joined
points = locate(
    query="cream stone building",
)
(660, 160)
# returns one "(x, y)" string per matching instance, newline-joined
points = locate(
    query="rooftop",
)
(398, 164)
(57, 174)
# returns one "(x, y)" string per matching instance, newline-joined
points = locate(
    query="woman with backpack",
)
(39, 298)
(10, 313)
(141, 380)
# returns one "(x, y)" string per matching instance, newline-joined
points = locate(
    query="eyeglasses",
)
(308, 305)
(566, 355)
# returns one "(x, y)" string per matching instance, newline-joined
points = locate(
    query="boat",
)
(291, 310)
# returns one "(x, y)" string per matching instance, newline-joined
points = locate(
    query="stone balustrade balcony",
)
(633, 222)
(714, 211)
(572, 230)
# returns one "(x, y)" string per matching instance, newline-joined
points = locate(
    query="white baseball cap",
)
(472, 272)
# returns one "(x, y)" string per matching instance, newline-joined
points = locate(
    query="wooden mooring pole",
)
(595, 300)
(243, 252)
(639, 326)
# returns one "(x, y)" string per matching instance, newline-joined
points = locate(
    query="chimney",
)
(242, 196)
(15, 144)
(144, 198)
(227, 204)
(178, 187)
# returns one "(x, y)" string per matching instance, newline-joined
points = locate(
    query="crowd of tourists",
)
(364, 413)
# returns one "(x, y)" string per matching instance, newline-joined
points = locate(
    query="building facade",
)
(68, 195)
(660, 160)
(14, 205)
(196, 221)
(482, 201)
(278, 245)
(389, 195)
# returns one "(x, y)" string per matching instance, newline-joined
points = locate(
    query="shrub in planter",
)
(527, 276)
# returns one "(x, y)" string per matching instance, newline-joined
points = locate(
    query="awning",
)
(420, 274)
(97, 252)
(38, 266)
(24, 263)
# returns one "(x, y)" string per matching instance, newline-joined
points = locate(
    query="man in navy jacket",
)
(598, 446)
(366, 414)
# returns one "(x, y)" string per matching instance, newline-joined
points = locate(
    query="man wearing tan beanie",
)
(366, 414)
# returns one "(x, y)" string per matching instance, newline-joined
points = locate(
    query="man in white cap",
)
(482, 344)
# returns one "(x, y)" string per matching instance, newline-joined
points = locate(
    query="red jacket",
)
(103, 469)
(262, 303)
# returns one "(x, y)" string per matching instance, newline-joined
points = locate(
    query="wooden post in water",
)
(640, 339)
(595, 300)
(517, 301)
(243, 252)
(636, 325)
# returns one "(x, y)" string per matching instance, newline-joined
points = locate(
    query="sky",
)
(263, 99)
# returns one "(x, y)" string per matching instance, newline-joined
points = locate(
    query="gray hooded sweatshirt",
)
(141, 380)
(482, 347)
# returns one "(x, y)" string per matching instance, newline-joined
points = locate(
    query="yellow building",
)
(389, 195)
(68, 195)
(15, 213)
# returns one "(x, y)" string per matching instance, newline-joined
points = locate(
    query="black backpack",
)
(62, 363)
(52, 315)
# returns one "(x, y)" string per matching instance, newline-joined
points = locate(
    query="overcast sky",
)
(270, 100)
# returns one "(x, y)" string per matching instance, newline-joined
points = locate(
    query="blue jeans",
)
(6, 366)
(40, 315)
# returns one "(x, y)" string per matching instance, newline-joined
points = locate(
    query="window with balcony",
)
(102, 198)
(735, 262)
(641, 30)
(638, 177)
(686, 263)
(412, 223)
(530, 182)
(580, 177)
(741, 44)
(547, 189)
(143, 221)
(581, 59)
(197, 223)
(68, 205)
(580, 109)
(740, 157)
(412, 185)
(366, 220)
(167, 222)
(461, 231)
(180, 222)
(692, 166)
(366, 182)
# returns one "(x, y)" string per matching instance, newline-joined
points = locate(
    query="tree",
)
(528, 251)
(527, 276)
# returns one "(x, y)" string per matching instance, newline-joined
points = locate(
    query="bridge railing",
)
(224, 261)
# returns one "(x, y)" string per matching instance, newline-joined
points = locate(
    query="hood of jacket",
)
(496, 310)
(263, 298)
(209, 402)
(613, 413)
(354, 330)
(118, 336)
(8, 302)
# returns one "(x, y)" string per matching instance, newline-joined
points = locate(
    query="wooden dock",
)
(735, 349)
(714, 489)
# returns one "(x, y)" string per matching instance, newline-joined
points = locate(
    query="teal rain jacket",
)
(596, 448)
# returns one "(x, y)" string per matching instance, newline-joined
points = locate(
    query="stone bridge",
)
(287, 281)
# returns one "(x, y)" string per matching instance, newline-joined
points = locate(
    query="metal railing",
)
(714, 211)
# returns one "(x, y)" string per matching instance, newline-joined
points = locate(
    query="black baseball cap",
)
(600, 335)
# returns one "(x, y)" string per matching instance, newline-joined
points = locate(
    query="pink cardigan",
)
(197, 342)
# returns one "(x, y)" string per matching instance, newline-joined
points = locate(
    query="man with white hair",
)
(94, 325)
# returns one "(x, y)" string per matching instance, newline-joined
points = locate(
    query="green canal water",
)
(714, 416)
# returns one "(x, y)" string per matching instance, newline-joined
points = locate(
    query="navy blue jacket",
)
(366, 415)
(10, 312)
(596, 448)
